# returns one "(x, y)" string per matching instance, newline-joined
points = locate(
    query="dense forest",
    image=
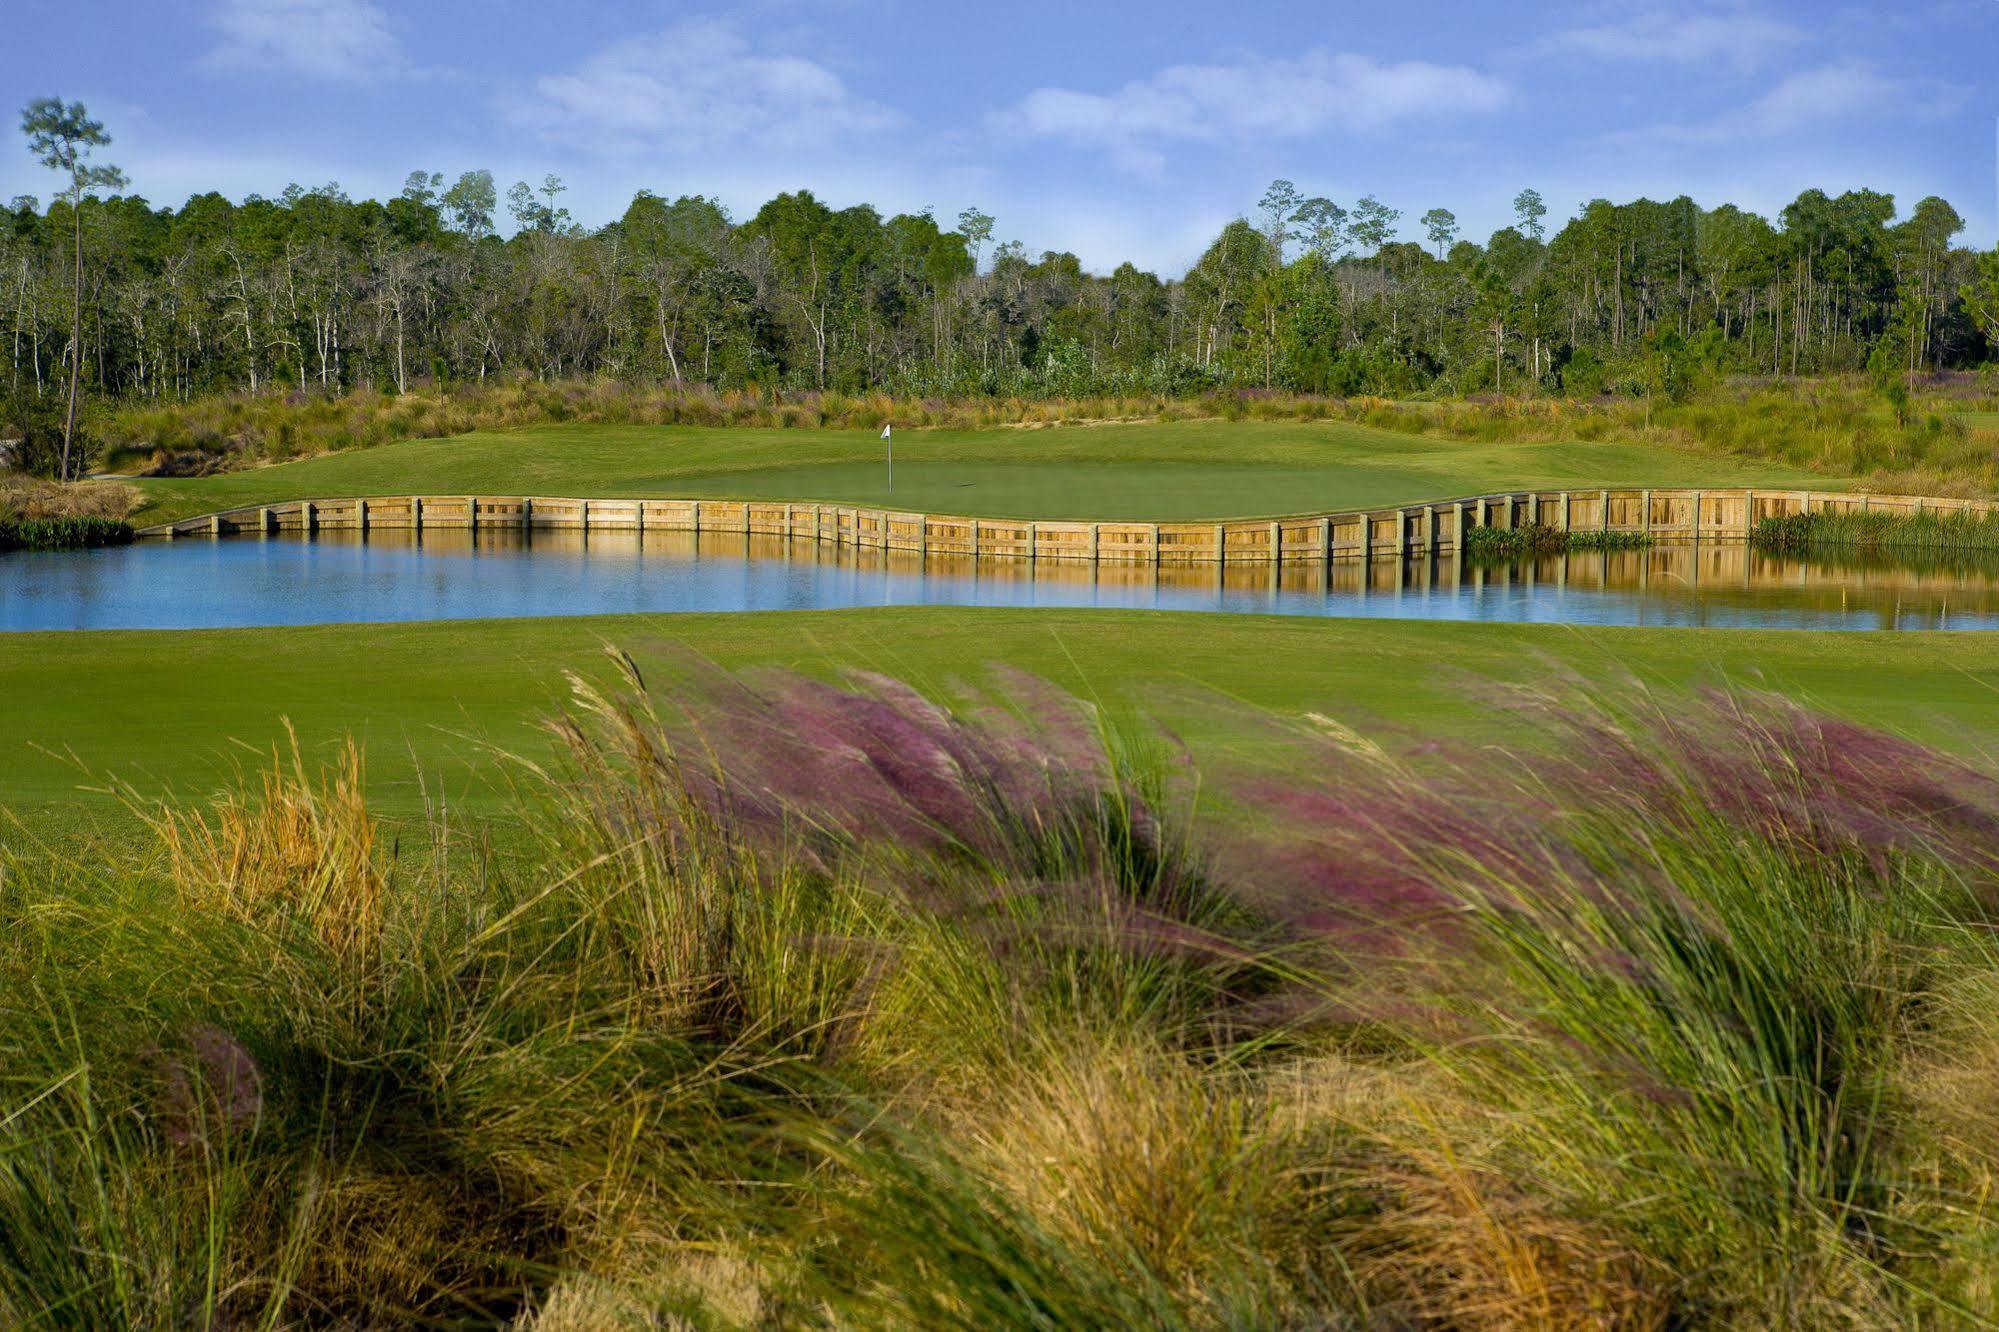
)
(315, 291)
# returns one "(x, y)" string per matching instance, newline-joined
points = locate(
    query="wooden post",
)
(1096, 538)
(746, 523)
(1695, 520)
(1221, 544)
(1748, 513)
(308, 516)
(472, 512)
(1276, 542)
(1563, 499)
(1155, 545)
(215, 524)
(1031, 552)
(1645, 512)
(923, 535)
(527, 512)
(267, 522)
(1325, 541)
(1603, 510)
(416, 512)
(1402, 535)
(639, 514)
(361, 514)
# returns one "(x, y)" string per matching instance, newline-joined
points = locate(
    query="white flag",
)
(885, 430)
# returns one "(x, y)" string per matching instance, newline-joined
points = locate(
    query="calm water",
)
(343, 577)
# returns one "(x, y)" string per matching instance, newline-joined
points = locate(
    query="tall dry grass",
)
(810, 1004)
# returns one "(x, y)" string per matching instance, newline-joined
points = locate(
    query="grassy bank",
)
(822, 1007)
(1177, 470)
(428, 699)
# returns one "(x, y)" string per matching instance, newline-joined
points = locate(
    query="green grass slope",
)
(1168, 471)
(166, 709)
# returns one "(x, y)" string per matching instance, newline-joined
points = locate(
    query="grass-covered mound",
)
(820, 1005)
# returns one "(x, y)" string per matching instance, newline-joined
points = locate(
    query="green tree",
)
(470, 201)
(1323, 226)
(1280, 205)
(1981, 297)
(1528, 210)
(1373, 223)
(1441, 226)
(977, 228)
(62, 137)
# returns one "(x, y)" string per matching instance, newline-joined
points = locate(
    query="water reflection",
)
(455, 574)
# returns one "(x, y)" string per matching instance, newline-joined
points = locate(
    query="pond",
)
(340, 577)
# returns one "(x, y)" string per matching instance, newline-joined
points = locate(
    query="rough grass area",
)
(26, 499)
(429, 700)
(1178, 470)
(818, 1005)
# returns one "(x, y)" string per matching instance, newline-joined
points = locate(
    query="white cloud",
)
(1813, 99)
(1255, 99)
(699, 85)
(1742, 40)
(319, 39)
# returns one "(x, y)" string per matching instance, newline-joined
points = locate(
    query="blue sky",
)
(1114, 130)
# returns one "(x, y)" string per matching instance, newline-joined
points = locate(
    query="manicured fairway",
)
(431, 697)
(1191, 470)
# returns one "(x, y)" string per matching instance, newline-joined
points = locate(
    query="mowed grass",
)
(431, 701)
(1163, 471)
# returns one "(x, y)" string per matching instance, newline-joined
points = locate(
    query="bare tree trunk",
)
(75, 341)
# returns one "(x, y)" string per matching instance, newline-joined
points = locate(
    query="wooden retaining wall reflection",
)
(1667, 516)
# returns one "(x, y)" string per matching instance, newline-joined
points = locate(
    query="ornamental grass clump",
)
(1672, 960)
(784, 1001)
(302, 849)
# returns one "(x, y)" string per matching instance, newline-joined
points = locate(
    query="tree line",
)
(316, 291)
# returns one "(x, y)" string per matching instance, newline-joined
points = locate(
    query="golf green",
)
(1165, 472)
